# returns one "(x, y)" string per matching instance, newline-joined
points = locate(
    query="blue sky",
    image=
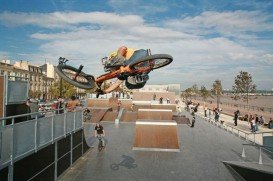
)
(208, 39)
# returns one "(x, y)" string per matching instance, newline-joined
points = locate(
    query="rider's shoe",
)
(99, 92)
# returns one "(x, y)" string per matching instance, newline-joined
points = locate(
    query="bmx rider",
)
(100, 133)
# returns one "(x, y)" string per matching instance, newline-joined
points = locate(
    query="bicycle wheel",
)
(152, 62)
(82, 81)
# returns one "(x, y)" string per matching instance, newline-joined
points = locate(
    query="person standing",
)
(236, 116)
(119, 104)
(205, 111)
(217, 115)
(192, 122)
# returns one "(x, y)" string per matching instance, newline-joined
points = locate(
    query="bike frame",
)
(121, 70)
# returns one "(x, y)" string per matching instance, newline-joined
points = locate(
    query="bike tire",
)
(134, 86)
(144, 62)
(90, 84)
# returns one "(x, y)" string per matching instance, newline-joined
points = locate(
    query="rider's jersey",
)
(129, 53)
(99, 129)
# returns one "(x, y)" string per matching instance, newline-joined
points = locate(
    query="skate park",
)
(154, 141)
(147, 141)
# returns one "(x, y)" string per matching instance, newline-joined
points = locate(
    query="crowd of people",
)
(59, 106)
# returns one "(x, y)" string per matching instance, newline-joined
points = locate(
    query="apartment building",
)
(39, 83)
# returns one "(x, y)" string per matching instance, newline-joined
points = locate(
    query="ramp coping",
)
(156, 149)
(156, 123)
(161, 110)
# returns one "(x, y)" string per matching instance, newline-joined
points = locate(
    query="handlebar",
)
(62, 60)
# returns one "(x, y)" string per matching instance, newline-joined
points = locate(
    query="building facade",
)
(161, 88)
(39, 83)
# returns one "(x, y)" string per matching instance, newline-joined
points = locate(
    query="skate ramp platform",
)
(156, 135)
(155, 114)
(128, 116)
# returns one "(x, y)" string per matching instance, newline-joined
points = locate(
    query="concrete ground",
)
(202, 150)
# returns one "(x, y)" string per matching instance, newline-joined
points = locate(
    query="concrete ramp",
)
(158, 135)
(155, 114)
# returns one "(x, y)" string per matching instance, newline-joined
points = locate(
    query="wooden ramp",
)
(155, 114)
(156, 135)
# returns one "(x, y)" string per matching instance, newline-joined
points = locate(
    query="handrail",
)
(247, 144)
(13, 157)
(35, 113)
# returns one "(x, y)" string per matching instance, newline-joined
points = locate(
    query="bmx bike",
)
(101, 144)
(134, 72)
(86, 115)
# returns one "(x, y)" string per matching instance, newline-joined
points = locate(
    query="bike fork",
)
(78, 72)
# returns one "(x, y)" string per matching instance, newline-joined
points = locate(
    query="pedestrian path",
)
(242, 129)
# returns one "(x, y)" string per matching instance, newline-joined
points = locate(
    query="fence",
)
(25, 138)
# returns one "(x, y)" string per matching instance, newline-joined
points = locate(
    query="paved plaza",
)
(202, 150)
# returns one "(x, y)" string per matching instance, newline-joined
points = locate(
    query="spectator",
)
(119, 104)
(217, 115)
(168, 100)
(205, 111)
(72, 104)
(253, 125)
(132, 107)
(192, 122)
(236, 116)
(270, 124)
(261, 120)
(256, 122)
(59, 106)
(161, 100)
(33, 108)
(154, 96)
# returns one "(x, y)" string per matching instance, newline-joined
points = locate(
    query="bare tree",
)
(243, 86)
(217, 90)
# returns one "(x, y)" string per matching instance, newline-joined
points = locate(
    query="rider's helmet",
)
(122, 50)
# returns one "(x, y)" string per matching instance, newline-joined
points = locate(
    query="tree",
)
(217, 90)
(67, 89)
(194, 90)
(188, 93)
(204, 93)
(243, 86)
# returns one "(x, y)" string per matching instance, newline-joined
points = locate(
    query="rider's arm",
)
(103, 132)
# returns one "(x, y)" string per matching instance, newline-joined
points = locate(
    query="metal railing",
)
(260, 151)
(18, 140)
(252, 137)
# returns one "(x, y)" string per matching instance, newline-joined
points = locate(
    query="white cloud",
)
(68, 19)
(86, 37)
(4, 55)
(226, 23)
